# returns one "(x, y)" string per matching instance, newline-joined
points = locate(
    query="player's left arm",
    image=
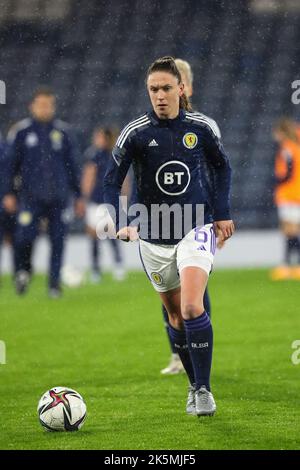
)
(219, 162)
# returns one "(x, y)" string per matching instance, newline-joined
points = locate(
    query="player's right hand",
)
(128, 234)
(9, 203)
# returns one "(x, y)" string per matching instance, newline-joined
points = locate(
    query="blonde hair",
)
(185, 69)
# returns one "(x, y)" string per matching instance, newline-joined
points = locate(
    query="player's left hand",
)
(225, 228)
(220, 239)
(221, 242)
(79, 207)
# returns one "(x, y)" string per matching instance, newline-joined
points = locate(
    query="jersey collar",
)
(165, 122)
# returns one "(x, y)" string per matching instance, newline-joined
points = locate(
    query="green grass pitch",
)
(108, 342)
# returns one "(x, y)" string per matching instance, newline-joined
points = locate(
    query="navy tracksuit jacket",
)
(42, 156)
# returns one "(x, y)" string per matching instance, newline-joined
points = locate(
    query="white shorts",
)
(289, 213)
(164, 263)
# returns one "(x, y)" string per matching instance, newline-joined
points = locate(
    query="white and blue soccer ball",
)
(62, 409)
(71, 276)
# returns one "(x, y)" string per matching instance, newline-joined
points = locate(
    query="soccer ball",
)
(71, 277)
(62, 409)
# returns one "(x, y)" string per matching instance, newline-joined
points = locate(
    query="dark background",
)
(244, 55)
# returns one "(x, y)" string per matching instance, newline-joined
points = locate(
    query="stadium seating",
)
(95, 55)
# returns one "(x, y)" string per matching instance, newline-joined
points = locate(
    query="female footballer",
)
(166, 147)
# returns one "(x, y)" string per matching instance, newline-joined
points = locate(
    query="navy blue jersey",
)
(100, 158)
(43, 155)
(168, 157)
(207, 174)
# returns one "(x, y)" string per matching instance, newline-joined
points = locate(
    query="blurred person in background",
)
(41, 151)
(96, 159)
(7, 220)
(287, 196)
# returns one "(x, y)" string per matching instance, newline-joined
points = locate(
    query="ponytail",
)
(184, 103)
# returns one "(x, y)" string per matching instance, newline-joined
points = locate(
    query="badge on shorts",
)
(156, 277)
(190, 140)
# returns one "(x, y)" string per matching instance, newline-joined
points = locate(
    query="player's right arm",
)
(115, 175)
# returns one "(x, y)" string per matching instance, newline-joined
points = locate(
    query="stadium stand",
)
(94, 54)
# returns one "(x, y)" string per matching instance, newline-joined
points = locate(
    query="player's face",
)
(165, 92)
(42, 108)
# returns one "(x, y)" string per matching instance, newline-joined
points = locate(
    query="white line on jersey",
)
(132, 123)
(132, 128)
(206, 120)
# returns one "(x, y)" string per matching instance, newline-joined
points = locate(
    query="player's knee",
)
(175, 320)
(192, 310)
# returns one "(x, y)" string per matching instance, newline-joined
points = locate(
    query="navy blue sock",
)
(199, 336)
(166, 323)
(178, 339)
(207, 306)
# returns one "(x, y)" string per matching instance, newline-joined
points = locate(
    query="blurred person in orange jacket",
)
(287, 196)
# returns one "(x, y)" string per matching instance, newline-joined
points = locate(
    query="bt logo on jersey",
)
(173, 178)
(170, 178)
